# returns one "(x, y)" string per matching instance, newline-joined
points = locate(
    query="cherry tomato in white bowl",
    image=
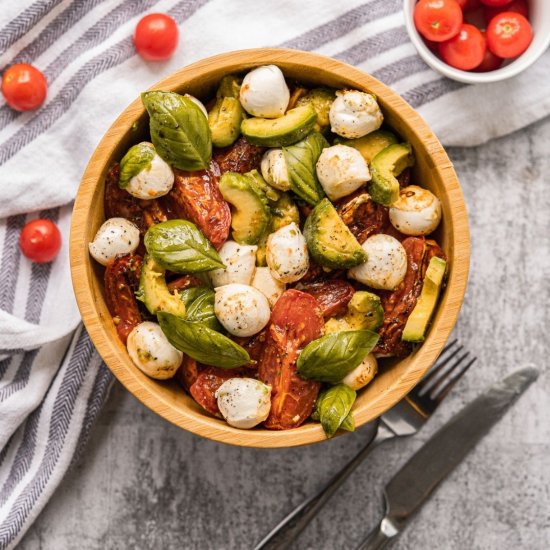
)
(438, 20)
(156, 37)
(509, 34)
(539, 16)
(24, 87)
(466, 50)
(518, 6)
(40, 240)
(495, 3)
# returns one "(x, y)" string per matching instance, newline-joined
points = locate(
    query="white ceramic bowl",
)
(539, 16)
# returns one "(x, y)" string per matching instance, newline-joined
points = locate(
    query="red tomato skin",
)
(466, 50)
(509, 34)
(156, 37)
(471, 5)
(40, 241)
(296, 320)
(490, 61)
(24, 87)
(496, 3)
(517, 6)
(462, 3)
(437, 20)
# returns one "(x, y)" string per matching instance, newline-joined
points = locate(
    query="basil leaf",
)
(179, 130)
(330, 358)
(301, 159)
(178, 245)
(333, 406)
(202, 343)
(137, 159)
(199, 306)
(348, 424)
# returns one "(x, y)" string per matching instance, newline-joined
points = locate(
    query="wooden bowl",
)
(433, 170)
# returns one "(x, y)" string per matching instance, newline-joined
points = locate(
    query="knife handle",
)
(380, 536)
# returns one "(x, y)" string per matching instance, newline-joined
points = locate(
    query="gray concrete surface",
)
(145, 484)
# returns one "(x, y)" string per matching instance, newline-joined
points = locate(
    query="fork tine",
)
(446, 384)
(430, 378)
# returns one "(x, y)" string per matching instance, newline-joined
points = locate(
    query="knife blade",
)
(411, 487)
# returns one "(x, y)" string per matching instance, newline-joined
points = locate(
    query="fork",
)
(404, 419)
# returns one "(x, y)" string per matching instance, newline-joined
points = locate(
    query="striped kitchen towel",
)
(52, 382)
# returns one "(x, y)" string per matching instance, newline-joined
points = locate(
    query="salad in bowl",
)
(269, 248)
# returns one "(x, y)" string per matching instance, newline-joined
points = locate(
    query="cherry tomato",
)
(156, 37)
(495, 2)
(24, 87)
(490, 61)
(471, 5)
(433, 46)
(517, 6)
(438, 20)
(462, 3)
(40, 240)
(466, 50)
(509, 34)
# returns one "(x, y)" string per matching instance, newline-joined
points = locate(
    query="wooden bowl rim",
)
(200, 423)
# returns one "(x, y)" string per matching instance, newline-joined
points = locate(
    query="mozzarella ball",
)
(244, 402)
(241, 309)
(264, 92)
(386, 265)
(362, 374)
(151, 351)
(354, 114)
(286, 254)
(417, 211)
(117, 236)
(240, 260)
(274, 169)
(341, 170)
(270, 287)
(154, 181)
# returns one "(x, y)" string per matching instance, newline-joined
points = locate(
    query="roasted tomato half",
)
(333, 295)
(120, 204)
(196, 197)
(399, 303)
(204, 388)
(183, 282)
(296, 320)
(121, 282)
(188, 372)
(240, 157)
(362, 215)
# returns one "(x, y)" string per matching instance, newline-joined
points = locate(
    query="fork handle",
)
(294, 523)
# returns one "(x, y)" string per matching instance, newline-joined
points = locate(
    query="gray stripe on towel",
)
(24, 21)
(59, 104)
(342, 25)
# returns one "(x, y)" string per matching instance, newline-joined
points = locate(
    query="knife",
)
(438, 457)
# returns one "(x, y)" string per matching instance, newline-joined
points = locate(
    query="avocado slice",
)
(417, 323)
(385, 167)
(230, 86)
(371, 144)
(329, 240)
(365, 312)
(153, 291)
(321, 99)
(280, 132)
(250, 214)
(225, 120)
